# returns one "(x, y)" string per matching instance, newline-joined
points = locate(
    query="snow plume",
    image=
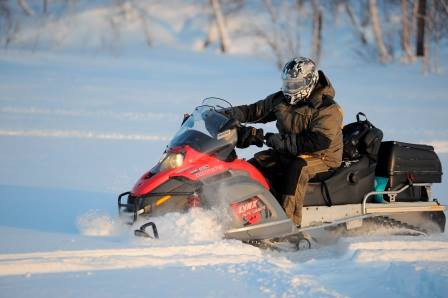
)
(195, 226)
(222, 195)
(95, 223)
(198, 224)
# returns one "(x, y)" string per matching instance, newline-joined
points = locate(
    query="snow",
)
(78, 128)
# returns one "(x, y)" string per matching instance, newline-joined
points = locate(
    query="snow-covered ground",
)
(78, 128)
(75, 130)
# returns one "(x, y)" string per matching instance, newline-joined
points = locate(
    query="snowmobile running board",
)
(322, 216)
(403, 207)
(393, 206)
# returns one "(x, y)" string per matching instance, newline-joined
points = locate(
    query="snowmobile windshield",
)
(202, 132)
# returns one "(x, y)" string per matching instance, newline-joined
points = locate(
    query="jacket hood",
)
(323, 89)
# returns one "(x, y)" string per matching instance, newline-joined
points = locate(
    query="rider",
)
(309, 141)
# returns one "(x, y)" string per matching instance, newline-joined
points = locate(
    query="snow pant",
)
(288, 176)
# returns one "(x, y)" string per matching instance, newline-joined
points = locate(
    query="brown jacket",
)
(311, 127)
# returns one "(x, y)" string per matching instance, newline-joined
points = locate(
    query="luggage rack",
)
(394, 206)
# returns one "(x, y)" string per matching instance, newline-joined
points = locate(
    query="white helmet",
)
(299, 77)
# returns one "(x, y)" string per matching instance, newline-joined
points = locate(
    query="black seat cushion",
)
(323, 176)
(346, 185)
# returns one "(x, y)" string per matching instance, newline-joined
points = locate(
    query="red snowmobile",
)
(200, 168)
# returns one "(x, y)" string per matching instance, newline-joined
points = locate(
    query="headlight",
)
(171, 161)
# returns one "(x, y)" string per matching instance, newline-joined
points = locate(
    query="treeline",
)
(384, 30)
(387, 30)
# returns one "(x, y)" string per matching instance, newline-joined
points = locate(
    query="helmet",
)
(299, 77)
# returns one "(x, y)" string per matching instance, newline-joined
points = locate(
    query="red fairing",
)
(196, 166)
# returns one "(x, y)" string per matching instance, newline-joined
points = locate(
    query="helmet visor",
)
(294, 86)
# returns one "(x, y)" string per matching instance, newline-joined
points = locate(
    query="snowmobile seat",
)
(345, 185)
(323, 175)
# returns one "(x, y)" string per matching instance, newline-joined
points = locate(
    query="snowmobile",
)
(200, 168)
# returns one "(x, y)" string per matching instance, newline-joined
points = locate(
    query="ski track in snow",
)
(81, 135)
(400, 251)
(439, 146)
(90, 260)
(217, 253)
(129, 116)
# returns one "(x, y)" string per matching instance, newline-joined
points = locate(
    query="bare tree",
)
(14, 13)
(144, 23)
(376, 28)
(316, 43)
(281, 33)
(405, 33)
(421, 16)
(444, 5)
(439, 25)
(26, 7)
(222, 28)
(227, 8)
(355, 23)
(414, 17)
(212, 35)
(272, 37)
(133, 12)
(45, 6)
(6, 23)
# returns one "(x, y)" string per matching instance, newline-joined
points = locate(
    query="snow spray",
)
(95, 223)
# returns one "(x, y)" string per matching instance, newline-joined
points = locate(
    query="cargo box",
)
(403, 163)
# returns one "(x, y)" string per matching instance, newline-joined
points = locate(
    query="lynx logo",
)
(246, 207)
(250, 211)
(206, 170)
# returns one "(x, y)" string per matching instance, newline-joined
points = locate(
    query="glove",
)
(275, 141)
(228, 112)
(230, 124)
(248, 135)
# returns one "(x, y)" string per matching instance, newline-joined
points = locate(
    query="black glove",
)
(275, 141)
(230, 124)
(228, 112)
(248, 135)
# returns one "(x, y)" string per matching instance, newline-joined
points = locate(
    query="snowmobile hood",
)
(196, 166)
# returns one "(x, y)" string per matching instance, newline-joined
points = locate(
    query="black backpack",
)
(361, 138)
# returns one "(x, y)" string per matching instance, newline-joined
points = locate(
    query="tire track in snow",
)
(113, 259)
